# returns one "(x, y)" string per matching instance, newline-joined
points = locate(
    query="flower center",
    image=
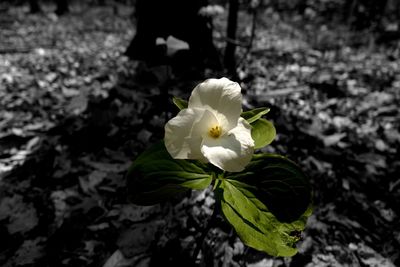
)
(215, 131)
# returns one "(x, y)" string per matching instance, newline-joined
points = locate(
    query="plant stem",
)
(210, 224)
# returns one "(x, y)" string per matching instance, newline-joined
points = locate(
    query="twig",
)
(229, 55)
(210, 224)
(235, 42)
(351, 12)
(252, 36)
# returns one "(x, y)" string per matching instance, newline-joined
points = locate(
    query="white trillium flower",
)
(211, 129)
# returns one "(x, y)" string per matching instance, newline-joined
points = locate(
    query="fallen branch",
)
(13, 50)
(20, 50)
(280, 92)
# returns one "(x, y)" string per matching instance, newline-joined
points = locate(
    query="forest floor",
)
(74, 114)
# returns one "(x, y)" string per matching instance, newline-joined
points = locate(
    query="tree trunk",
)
(177, 18)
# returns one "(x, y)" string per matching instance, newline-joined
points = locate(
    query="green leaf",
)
(254, 114)
(263, 133)
(280, 184)
(267, 204)
(180, 103)
(155, 176)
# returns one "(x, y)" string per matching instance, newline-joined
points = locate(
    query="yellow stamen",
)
(215, 131)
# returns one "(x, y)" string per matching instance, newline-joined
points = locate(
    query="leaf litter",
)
(72, 119)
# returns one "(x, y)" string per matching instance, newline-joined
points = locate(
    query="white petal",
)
(242, 132)
(203, 125)
(177, 130)
(184, 133)
(222, 96)
(199, 130)
(231, 152)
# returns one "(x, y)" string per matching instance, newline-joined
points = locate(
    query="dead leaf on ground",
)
(21, 216)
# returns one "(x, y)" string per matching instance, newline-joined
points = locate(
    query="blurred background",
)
(85, 86)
